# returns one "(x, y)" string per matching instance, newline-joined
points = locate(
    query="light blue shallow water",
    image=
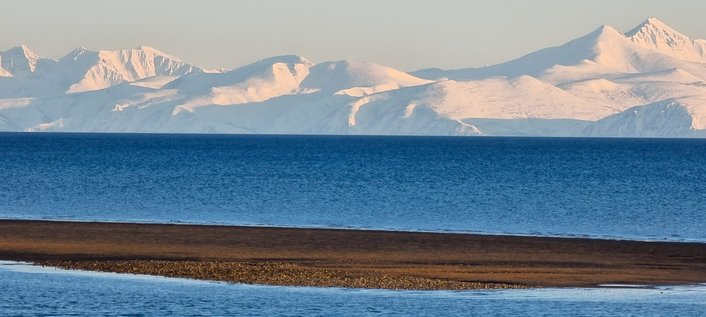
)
(621, 188)
(49, 292)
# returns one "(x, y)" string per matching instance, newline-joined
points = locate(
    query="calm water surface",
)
(49, 292)
(624, 188)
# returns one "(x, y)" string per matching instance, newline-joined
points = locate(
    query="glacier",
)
(647, 82)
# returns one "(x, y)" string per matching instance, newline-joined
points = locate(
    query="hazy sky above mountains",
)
(405, 34)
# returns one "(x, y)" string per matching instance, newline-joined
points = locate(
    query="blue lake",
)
(645, 189)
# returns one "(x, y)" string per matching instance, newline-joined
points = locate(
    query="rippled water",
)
(625, 188)
(49, 292)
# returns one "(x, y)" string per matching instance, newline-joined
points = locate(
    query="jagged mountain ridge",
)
(649, 81)
(605, 52)
(25, 74)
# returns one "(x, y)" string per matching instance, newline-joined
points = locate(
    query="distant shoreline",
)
(350, 258)
(341, 135)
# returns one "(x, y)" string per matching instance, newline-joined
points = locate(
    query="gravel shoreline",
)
(276, 273)
(350, 258)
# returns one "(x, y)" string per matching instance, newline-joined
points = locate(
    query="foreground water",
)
(623, 188)
(49, 292)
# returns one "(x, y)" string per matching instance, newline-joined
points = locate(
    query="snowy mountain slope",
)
(320, 113)
(672, 118)
(257, 82)
(357, 78)
(629, 91)
(522, 105)
(129, 108)
(499, 98)
(650, 81)
(86, 109)
(599, 52)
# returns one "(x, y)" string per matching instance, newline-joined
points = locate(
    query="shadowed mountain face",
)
(650, 81)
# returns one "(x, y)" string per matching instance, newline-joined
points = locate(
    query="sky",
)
(408, 35)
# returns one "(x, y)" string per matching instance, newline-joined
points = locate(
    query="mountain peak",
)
(653, 26)
(150, 49)
(154, 51)
(285, 59)
(656, 35)
(80, 50)
(21, 50)
(656, 22)
(21, 47)
(606, 31)
(19, 59)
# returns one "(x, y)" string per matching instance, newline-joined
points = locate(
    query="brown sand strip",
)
(349, 258)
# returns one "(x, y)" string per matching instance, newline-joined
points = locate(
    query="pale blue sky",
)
(405, 34)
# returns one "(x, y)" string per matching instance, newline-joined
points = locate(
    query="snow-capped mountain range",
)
(648, 82)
